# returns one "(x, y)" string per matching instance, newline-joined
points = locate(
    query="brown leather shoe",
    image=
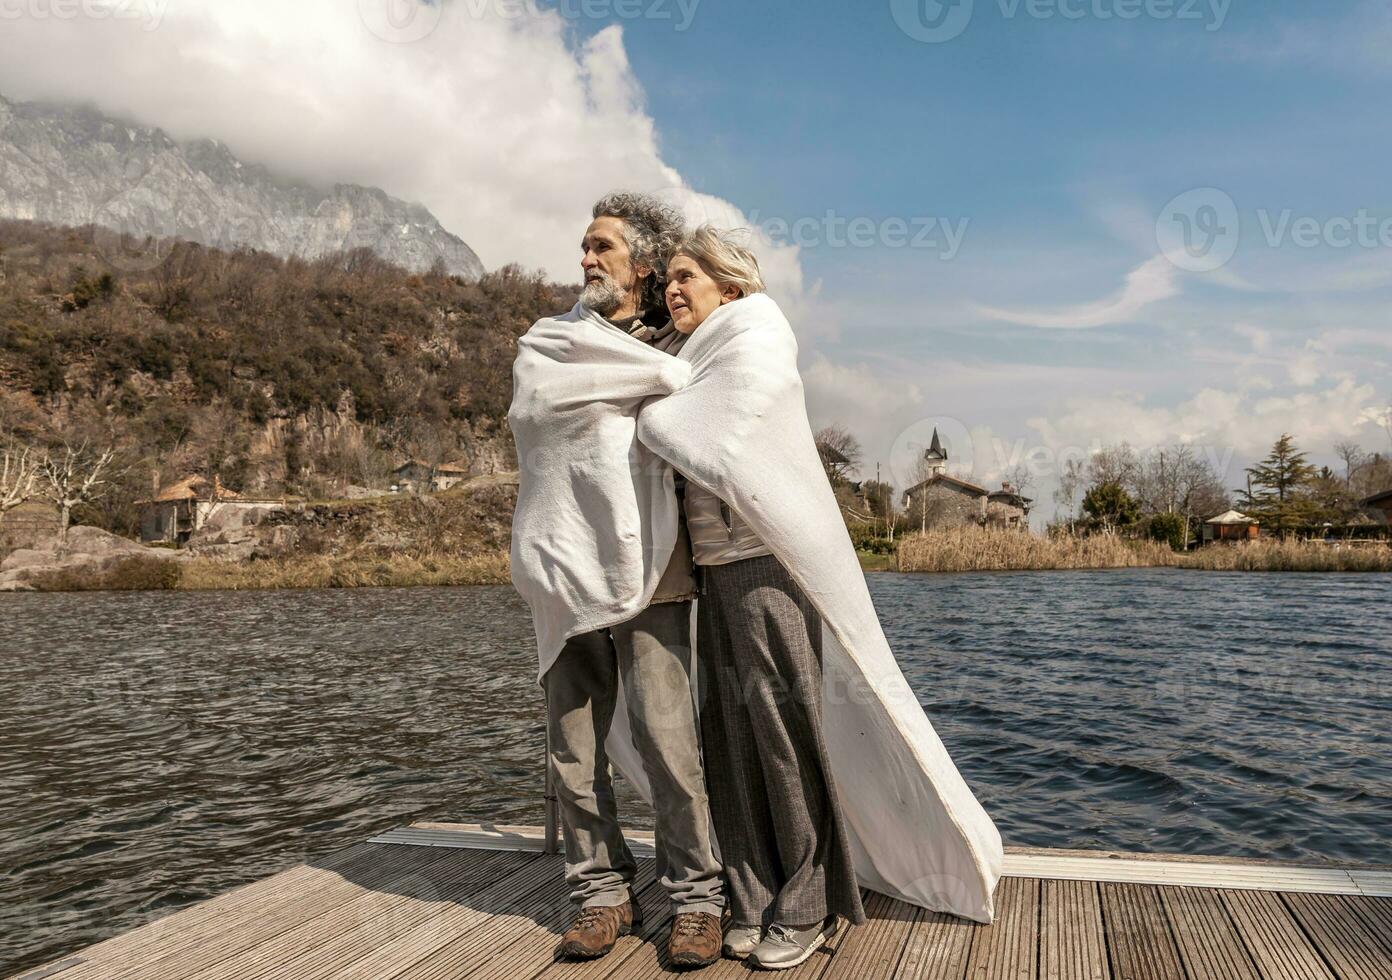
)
(595, 930)
(695, 939)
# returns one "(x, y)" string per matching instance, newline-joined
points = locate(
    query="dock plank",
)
(349, 932)
(1338, 932)
(1139, 940)
(875, 948)
(466, 926)
(170, 952)
(433, 907)
(1072, 936)
(1008, 949)
(1209, 946)
(1273, 938)
(518, 948)
(162, 928)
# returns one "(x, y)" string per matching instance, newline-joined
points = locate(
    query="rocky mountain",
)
(72, 165)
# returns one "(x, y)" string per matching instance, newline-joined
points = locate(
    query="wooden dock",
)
(448, 902)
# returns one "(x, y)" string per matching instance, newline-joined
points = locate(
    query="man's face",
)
(610, 275)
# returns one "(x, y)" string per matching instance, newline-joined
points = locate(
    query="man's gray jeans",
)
(651, 656)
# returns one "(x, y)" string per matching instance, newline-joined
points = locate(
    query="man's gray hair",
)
(652, 230)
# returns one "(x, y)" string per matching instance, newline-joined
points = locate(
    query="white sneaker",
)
(740, 941)
(785, 947)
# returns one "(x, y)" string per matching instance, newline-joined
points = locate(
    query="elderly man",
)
(624, 256)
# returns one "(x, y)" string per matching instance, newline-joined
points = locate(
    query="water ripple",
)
(160, 748)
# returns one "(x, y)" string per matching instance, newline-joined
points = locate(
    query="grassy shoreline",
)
(980, 550)
(309, 572)
(959, 550)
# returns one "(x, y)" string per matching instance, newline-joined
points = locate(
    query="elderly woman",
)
(774, 808)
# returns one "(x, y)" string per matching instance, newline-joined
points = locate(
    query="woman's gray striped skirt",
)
(773, 802)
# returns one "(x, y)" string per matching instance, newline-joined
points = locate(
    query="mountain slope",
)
(72, 165)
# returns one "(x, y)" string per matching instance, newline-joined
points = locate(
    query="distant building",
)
(1230, 526)
(448, 474)
(1379, 507)
(1007, 507)
(421, 477)
(178, 510)
(414, 474)
(943, 501)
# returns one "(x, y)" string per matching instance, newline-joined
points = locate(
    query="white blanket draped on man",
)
(601, 420)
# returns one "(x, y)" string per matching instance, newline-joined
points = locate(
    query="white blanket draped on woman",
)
(600, 420)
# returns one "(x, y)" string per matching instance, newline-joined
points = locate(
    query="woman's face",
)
(692, 295)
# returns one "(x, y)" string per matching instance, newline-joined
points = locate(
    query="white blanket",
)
(600, 419)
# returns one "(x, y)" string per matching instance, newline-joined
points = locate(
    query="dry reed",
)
(1269, 555)
(973, 549)
(319, 572)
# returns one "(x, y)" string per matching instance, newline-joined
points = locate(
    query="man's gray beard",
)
(602, 295)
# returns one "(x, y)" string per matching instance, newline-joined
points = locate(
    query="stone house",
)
(1007, 507)
(418, 476)
(448, 474)
(412, 474)
(944, 501)
(175, 512)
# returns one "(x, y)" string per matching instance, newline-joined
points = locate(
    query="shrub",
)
(1168, 528)
(129, 574)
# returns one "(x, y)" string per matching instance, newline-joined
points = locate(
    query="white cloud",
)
(1260, 338)
(506, 127)
(1246, 422)
(1148, 283)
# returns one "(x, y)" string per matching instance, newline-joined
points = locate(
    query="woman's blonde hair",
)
(724, 259)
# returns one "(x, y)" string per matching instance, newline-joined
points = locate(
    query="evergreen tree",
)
(1108, 506)
(1279, 488)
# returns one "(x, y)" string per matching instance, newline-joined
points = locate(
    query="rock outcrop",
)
(72, 165)
(88, 551)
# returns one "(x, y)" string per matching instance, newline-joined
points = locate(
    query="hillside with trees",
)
(277, 376)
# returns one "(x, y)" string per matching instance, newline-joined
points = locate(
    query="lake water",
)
(160, 748)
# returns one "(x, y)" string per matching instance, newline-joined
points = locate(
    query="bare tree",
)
(1021, 478)
(1114, 464)
(76, 476)
(19, 476)
(1352, 456)
(1070, 481)
(840, 452)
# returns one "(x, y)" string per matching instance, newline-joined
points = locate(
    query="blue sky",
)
(1171, 226)
(1060, 142)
